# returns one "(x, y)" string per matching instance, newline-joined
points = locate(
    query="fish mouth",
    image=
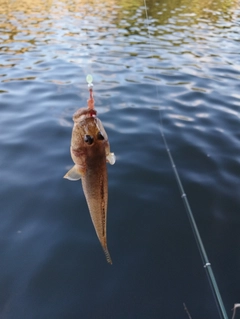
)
(83, 114)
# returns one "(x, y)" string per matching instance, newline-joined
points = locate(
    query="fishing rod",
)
(205, 260)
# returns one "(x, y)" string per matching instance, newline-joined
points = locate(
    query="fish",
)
(90, 152)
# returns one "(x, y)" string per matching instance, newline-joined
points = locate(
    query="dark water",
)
(51, 263)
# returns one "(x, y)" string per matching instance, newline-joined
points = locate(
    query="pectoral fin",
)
(111, 158)
(74, 174)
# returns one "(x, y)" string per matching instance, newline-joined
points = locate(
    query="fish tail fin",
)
(107, 254)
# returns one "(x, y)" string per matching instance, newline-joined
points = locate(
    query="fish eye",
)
(88, 139)
(100, 136)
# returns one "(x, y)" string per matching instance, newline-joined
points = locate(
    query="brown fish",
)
(90, 150)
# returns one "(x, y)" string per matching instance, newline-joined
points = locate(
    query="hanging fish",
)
(90, 150)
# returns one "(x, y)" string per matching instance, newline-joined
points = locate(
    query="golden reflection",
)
(20, 24)
(205, 9)
(26, 6)
(26, 23)
(159, 10)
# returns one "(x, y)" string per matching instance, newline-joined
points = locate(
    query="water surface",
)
(185, 71)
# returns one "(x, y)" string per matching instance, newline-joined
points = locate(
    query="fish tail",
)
(107, 254)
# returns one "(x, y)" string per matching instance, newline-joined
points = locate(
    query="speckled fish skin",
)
(90, 151)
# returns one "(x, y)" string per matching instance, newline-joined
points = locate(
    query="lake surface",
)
(187, 73)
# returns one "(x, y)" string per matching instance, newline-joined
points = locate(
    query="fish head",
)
(89, 138)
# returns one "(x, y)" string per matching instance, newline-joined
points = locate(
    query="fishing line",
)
(202, 251)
